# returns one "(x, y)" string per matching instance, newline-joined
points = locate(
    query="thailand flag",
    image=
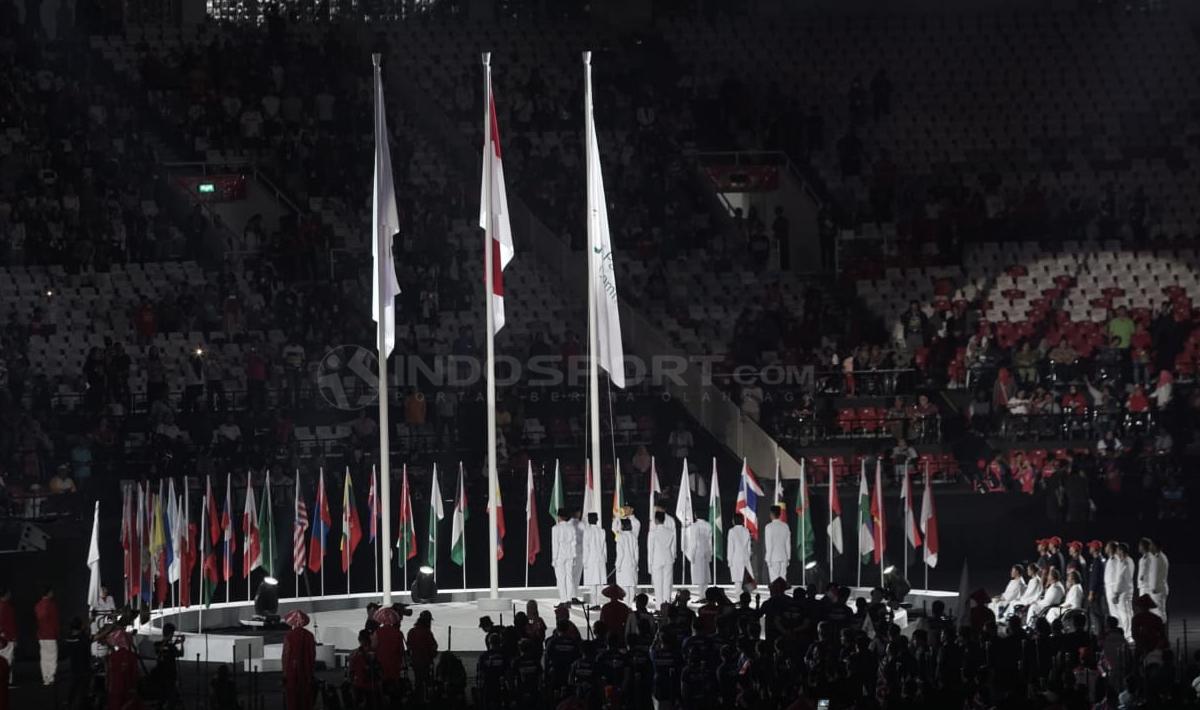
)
(747, 499)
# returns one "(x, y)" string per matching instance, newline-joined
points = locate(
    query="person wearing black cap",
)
(1097, 609)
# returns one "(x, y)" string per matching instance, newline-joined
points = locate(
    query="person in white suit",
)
(1152, 575)
(627, 555)
(1002, 604)
(778, 545)
(698, 549)
(1033, 588)
(1118, 586)
(660, 556)
(595, 558)
(1051, 597)
(1073, 600)
(737, 551)
(562, 553)
(577, 521)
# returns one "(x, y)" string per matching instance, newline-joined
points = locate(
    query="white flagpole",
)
(593, 343)
(881, 535)
(803, 515)
(295, 516)
(385, 493)
(489, 330)
(907, 518)
(832, 488)
(928, 482)
(375, 487)
(204, 542)
(858, 519)
(462, 491)
(324, 499)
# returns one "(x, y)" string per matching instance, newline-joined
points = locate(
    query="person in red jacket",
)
(8, 633)
(299, 661)
(614, 613)
(122, 674)
(389, 650)
(422, 648)
(46, 612)
(363, 673)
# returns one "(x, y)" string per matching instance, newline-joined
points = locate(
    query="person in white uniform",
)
(660, 556)
(627, 555)
(595, 558)
(1118, 585)
(1073, 600)
(577, 520)
(1033, 588)
(562, 553)
(1152, 575)
(1051, 597)
(737, 551)
(1002, 604)
(698, 549)
(778, 545)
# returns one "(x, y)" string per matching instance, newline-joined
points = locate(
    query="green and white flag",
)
(436, 513)
(805, 537)
(866, 534)
(715, 519)
(556, 495)
(458, 542)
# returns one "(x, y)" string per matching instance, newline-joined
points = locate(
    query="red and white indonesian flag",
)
(911, 532)
(602, 276)
(385, 224)
(493, 205)
(929, 523)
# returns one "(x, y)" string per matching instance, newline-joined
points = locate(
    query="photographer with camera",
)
(165, 676)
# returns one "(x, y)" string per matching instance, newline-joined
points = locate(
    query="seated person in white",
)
(1002, 604)
(1052, 596)
(1033, 589)
(1073, 600)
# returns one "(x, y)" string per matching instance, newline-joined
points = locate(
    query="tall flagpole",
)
(905, 516)
(804, 515)
(593, 343)
(489, 330)
(858, 536)
(832, 489)
(374, 482)
(462, 488)
(928, 482)
(381, 276)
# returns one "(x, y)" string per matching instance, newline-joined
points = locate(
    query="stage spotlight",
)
(812, 564)
(424, 587)
(889, 569)
(266, 600)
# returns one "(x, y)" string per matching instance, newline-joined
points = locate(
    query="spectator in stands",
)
(257, 369)
(914, 323)
(680, 441)
(1121, 327)
(1163, 391)
(1026, 362)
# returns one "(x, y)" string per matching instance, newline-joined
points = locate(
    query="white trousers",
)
(778, 570)
(594, 594)
(7, 653)
(663, 582)
(564, 575)
(738, 567)
(701, 573)
(1123, 611)
(49, 659)
(1160, 603)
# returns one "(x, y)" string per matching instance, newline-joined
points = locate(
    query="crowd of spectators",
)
(794, 650)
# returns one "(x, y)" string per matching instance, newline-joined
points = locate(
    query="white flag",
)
(602, 276)
(493, 204)
(683, 502)
(385, 224)
(93, 561)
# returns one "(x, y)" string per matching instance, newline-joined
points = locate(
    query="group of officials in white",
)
(580, 554)
(1101, 583)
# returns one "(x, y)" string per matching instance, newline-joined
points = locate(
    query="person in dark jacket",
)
(1097, 607)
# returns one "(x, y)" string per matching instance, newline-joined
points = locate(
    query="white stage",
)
(337, 619)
